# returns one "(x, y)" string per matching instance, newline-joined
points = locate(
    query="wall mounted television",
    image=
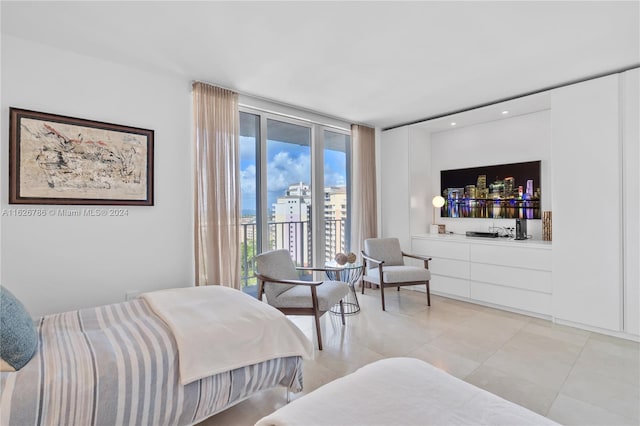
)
(503, 191)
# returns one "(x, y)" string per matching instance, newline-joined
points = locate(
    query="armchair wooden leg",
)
(398, 288)
(382, 296)
(318, 331)
(342, 311)
(428, 295)
(362, 285)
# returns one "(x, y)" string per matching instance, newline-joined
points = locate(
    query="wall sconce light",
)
(438, 202)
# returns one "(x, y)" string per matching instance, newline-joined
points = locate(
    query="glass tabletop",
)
(334, 264)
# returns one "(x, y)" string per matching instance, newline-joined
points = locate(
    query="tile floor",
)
(572, 376)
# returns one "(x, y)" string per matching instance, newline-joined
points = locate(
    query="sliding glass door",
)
(289, 203)
(250, 237)
(336, 193)
(295, 179)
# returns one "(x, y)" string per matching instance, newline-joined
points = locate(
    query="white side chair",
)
(279, 280)
(384, 266)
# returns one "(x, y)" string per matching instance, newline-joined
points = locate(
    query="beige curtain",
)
(217, 186)
(364, 217)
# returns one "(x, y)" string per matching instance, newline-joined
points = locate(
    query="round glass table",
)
(349, 273)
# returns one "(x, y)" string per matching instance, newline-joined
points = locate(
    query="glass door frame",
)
(317, 178)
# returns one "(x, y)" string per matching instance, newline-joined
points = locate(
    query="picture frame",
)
(55, 159)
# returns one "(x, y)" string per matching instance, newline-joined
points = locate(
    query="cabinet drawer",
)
(448, 285)
(441, 249)
(450, 268)
(526, 300)
(527, 279)
(517, 257)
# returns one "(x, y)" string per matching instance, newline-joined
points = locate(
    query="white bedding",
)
(219, 329)
(401, 392)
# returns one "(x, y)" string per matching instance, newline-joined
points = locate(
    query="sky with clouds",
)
(286, 164)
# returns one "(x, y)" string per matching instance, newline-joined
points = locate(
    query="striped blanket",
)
(118, 365)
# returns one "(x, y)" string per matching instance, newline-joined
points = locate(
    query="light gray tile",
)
(347, 358)
(460, 303)
(404, 301)
(556, 331)
(525, 360)
(494, 324)
(523, 392)
(539, 359)
(615, 342)
(597, 387)
(443, 315)
(450, 362)
(314, 376)
(475, 343)
(249, 411)
(572, 412)
(618, 359)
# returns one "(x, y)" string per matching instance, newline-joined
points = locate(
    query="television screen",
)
(505, 191)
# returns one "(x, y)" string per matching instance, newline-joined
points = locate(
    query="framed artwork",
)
(55, 159)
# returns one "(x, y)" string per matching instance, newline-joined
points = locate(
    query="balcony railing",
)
(296, 237)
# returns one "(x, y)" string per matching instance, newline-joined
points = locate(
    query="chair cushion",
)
(18, 335)
(387, 249)
(398, 274)
(299, 296)
(276, 264)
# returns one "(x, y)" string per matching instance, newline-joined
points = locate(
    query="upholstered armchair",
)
(384, 266)
(278, 278)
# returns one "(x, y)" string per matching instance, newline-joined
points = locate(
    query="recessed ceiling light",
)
(505, 112)
(453, 123)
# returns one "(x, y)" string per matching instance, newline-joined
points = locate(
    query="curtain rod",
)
(533, 92)
(261, 98)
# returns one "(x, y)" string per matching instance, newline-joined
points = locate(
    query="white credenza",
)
(515, 275)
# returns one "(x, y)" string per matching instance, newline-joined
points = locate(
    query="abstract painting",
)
(55, 159)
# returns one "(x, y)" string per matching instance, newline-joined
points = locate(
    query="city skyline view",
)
(499, 191)
(279, 171)
(287, 164)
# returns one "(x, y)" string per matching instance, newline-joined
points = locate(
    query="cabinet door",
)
(441, 249)
(532, 301)
(631, 198)
(449, 286)
(518, 257)
(586, 255)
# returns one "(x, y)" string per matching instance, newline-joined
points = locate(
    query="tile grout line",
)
(573, 365)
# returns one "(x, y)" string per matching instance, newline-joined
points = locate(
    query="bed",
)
(130, 362)
(401, 392)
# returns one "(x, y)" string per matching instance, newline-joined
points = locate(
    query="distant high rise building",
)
(291, 214)
(529, 188)
(497, 189)
(470, 191)
(481, 186)
(299, 189)
(455, 193)
(335, 218)
(509, 185)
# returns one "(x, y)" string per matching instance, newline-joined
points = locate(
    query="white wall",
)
(60, 263)
(420, 196)
(394, 185)
(587, 242)
(512, 140)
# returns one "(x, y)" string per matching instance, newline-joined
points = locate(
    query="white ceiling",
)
(377, 63)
